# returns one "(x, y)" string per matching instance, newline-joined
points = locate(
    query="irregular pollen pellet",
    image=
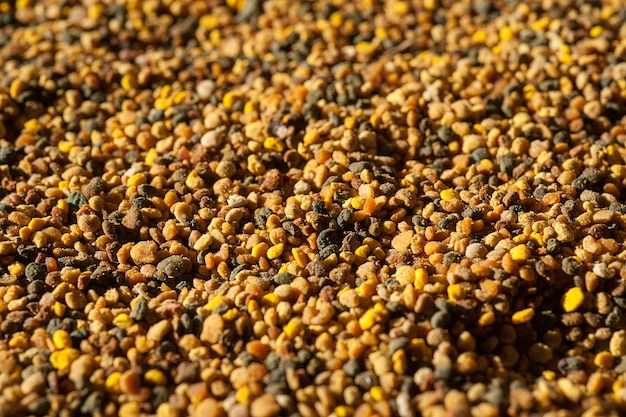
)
(456, 292)
(194, 181)
(520, 253)
(448, 194)
(63, 358)
(572, 299)
(421, 278)
(61, 339)
(215, 301)
(136, 180)
(300, 257)
(405, 275)
(523, 316)
(275, 251)
(603, 360)
(112, 382)
(261, 249)
(123, 321)
(155, 377)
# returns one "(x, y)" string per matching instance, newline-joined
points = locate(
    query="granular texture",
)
(313, 208)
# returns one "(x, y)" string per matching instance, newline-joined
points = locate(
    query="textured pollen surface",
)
(322, 208)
